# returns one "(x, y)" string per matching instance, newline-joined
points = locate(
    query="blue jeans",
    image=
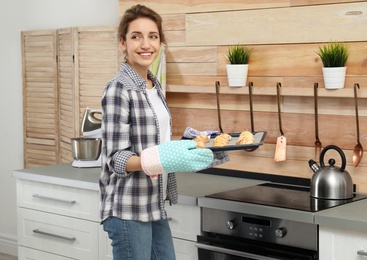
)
(135, 240)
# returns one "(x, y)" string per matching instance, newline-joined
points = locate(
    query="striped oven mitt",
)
(175, 156)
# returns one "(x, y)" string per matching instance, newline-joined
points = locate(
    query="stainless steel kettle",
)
(331, 182)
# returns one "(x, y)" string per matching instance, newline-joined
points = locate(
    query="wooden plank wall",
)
(284, 35)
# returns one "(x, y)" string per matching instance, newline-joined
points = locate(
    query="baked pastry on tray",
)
(201, 140)
(246, 137)
(222, 139)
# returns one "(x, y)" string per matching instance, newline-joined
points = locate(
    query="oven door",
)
(221, 247)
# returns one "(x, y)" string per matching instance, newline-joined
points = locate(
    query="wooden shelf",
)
(268, 91)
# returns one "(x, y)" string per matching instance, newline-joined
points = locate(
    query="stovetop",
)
(283, 196)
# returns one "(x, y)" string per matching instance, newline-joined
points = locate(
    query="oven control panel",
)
(267, 229)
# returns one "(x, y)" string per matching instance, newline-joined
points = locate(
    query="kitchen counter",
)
(193, 187)
(349, 216)
(62, 174)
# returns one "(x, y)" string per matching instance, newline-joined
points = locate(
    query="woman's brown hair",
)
(136, 12)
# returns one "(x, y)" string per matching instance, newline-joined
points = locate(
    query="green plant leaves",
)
(238, 54)
(335, 54)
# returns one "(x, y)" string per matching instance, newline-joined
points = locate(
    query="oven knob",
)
(231, 224)
(280, 232)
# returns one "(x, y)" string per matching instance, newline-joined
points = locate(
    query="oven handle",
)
(232, 252)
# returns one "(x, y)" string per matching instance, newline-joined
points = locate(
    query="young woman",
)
(138, 157)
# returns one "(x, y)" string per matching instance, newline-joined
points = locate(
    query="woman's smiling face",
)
(142, 43)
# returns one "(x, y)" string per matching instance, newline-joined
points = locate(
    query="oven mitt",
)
(175, 156)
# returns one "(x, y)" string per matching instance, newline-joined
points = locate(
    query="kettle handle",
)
(342, 155)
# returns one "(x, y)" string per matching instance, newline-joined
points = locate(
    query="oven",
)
(231, 235)
(266, 221)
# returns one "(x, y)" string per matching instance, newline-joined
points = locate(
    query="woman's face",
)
(142, 43)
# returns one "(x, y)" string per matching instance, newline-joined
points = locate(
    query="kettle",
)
(331, 182)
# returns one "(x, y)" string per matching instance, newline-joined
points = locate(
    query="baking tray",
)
(259, 140)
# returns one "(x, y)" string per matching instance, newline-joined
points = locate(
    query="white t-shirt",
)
(164, 124)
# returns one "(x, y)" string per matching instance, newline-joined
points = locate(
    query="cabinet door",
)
(40, 100)
(341, 244)
(184, 221)
(55, 234)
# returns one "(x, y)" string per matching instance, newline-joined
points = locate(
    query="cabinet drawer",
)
(63, 200)
(184, 221)
(57, 234)
(25, 253)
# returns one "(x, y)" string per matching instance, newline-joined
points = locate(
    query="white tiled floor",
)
(7, 257)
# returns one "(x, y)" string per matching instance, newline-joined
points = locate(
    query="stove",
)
(283, 196)
(272, 220)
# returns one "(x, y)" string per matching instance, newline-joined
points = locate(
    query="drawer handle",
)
(54, 199)
(37, 231)
(361, 252)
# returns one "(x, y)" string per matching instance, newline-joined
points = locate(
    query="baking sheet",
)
(259, 140)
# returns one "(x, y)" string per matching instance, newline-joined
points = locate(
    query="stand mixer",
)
(91, 131)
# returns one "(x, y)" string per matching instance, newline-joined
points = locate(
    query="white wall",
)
(17, 16)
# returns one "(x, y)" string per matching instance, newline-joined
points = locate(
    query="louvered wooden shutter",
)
(40, 100)
(67, 90)
(88, 60)
(97, 62)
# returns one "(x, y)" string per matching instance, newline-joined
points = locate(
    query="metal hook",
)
(217, 85)
(279, 112)
(250, 86)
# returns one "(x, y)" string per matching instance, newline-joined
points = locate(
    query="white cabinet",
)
(185, 225)
(342, 244)
(59, 222)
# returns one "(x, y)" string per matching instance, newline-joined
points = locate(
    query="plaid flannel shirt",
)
(130, 125)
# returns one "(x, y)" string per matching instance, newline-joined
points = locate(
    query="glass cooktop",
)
(284, 196)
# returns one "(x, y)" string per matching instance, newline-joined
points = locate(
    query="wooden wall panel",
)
(179, 7)
(320, 2)
(319, 23)
(191, 54)
(285, 36)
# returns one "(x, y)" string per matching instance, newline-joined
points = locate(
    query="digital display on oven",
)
(256, 221)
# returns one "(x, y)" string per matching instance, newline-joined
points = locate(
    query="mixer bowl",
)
(86, 149)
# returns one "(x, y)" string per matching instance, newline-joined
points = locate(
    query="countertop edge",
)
(23, 175)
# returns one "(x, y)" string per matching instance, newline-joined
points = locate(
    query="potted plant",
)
(237, 58)
(334, 57)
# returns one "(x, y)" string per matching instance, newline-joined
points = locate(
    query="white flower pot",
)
(237, 74)
(334, 78)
